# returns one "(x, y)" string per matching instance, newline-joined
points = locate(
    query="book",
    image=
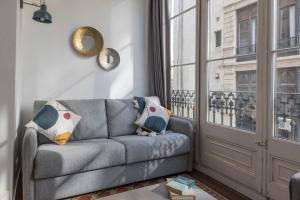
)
(186, 181)
(188, 195)
(176, 187)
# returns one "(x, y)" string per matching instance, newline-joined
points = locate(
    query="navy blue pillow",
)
(141, 102)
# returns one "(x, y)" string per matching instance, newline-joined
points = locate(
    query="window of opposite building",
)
(218, 35)
(287, 29)
(246, 32)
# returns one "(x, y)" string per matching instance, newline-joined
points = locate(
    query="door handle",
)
(262, 143)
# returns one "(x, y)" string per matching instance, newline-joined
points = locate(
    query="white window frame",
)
(262, 73)
(186, 64)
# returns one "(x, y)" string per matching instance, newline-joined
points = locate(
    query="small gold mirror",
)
(109, 59)
(87, 41)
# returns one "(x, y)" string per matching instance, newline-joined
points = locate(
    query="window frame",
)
(171, 18)
(184, 64)
(205, 57)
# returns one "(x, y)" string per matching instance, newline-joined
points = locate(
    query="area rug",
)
(148, 190)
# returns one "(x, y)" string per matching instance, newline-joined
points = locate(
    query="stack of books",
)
(181, 188)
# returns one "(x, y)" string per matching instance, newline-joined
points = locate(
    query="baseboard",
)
(4, 195)
(230, 183)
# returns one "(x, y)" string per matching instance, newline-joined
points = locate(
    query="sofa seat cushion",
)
(77, 156)
(144, 148)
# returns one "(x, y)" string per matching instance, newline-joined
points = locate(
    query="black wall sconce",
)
(40, 15)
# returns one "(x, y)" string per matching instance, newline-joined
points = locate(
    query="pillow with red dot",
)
(154, 118)
(55, 122)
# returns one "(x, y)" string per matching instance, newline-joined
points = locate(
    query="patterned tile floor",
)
(105, 193)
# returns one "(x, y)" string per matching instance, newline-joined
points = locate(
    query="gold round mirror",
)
(87, 41)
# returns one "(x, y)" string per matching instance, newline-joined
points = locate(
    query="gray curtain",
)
(158, 50)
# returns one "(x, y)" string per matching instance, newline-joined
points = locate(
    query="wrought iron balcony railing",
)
(234, 109)
(288, 115)
(238, 110)
(246, 50)
(246, 53)
(183, 103)
(288, 43)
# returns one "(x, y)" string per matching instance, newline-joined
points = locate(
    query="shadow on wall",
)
(71, 77)
(58, 72)
(133, 43)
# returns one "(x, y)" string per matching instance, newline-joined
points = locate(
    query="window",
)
(286, 73)
(183, 50)
(246, 85)
(218, 35)
(246, 32)
(287, 31)
(246, 81)
(231, 83)
(287, 80)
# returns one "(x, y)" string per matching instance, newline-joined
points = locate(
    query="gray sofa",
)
(103, 152)
(294, 187)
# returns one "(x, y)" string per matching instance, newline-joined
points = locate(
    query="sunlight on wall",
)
(53, 70)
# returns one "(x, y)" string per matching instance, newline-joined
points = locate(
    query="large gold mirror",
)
(87, 41)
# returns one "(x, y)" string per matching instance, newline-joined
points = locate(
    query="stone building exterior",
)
(234, 22)
(232, 85)
(237, 20)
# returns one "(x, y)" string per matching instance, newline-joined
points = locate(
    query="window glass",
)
(183, 52)
(231, 69)
(246, 33)
(232, 96)
(183, 38)
(178, 6)
(183, 77)
(218, 38)
(183, 96)
(286, 71)
(216, 23)
(287, 27)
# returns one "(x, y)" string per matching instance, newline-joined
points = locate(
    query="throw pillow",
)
(154, 118)
(140, 103)
(144, 132)
(55, 122)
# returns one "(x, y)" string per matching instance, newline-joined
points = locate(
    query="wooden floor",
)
(208, 181)
(218, 187)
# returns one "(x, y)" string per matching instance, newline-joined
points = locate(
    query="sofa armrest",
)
(294, 187)
(29, 150)
(184, 126)
(181, 125)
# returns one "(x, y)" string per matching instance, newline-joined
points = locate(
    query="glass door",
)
(284, 123)
(231, 86)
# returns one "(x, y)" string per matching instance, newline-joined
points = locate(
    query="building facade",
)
(231, 72)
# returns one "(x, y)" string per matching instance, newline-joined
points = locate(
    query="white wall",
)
(51, 68)
(9, 23)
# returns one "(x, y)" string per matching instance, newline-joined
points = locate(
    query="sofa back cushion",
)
(93, 124)
(121, 117)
